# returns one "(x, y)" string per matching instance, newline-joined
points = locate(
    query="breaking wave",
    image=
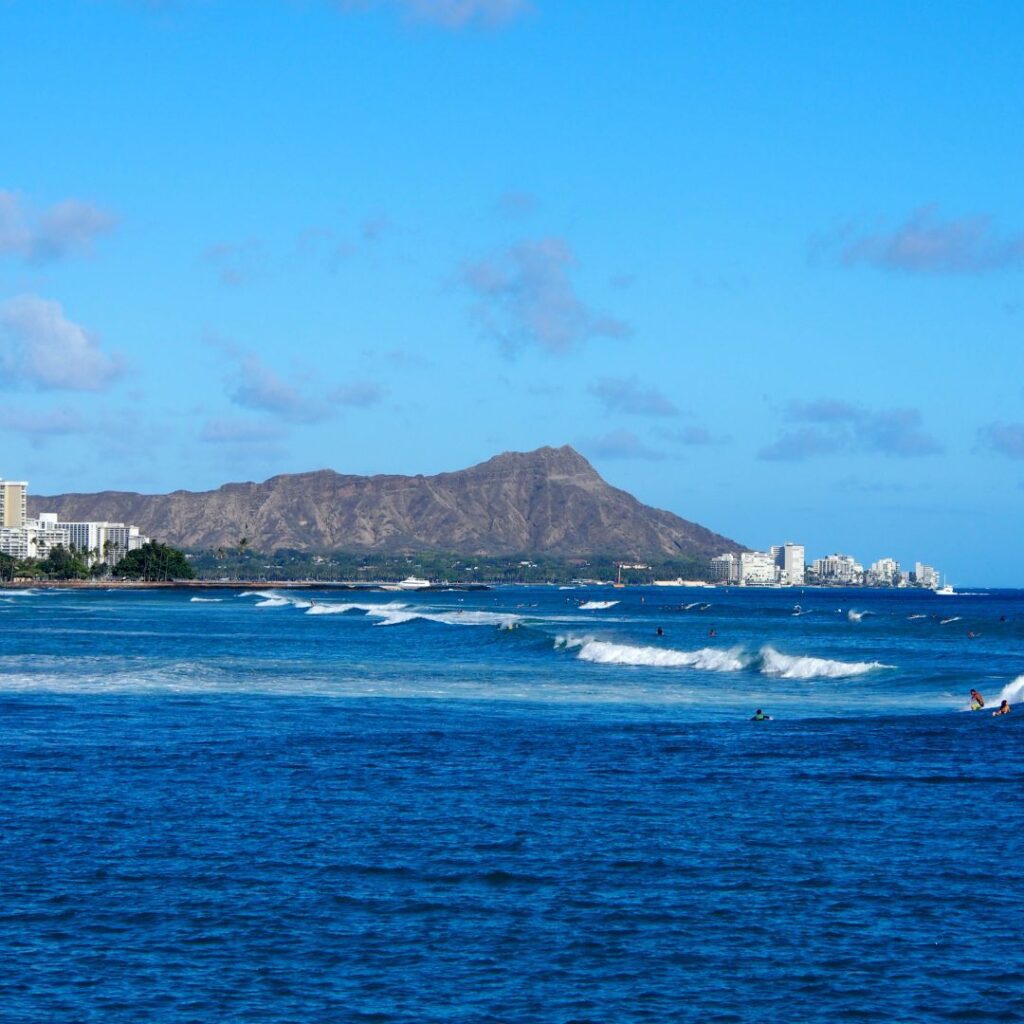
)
(206, 600)
(952, 618)
(272, 599)
(593, 606)
(855, 616)
(604, 653)
(919, 615)
(787, 666)
(319, 608)
(1013, 692)
(455, 618)
(769, 661)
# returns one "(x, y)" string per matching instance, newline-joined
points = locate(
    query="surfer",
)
(977, 701)
(659, 631)
(712, 633)
(1003, 709)
(760, 716)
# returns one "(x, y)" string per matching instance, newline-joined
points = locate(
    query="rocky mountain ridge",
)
(548, 501)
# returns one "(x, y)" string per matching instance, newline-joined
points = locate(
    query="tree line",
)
(153, 562)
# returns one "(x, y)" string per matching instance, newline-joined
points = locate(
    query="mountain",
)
(549, 501)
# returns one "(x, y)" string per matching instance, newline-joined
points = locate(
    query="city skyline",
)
(761, 266)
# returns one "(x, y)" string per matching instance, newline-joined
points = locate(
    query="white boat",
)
(683, 583)
(946, 590)
(413, 583)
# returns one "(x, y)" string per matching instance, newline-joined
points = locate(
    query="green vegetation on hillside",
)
(242, 562)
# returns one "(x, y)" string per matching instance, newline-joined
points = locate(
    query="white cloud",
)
(254, 385)
(42, 348)
(619, 444)
(925, 243)
(66, 228)
(525, 296)
(629, 396)
(450, 14)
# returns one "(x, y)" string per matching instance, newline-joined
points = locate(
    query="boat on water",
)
(683, 583)
(946, 590)
(413, 583)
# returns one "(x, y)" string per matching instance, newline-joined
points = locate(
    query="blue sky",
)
(761, 263)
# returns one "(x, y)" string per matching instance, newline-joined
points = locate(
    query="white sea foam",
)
(272, 599)
(455, 618)
(1013, 692)
(604, 653)
(21, 593)
(787, 666)
(593, 606)
(919, 615)
(855, 616)
(206, 600)
(952, 618)
(319, 608)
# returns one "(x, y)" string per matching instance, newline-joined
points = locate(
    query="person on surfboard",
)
(1003, 709)
(760, 716)
(977, 701)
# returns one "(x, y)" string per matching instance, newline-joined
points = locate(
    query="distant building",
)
(926, 576)
(757, 568)
(789, 561)
(885, 573)
(33, 540)
(103, 542)
(13, 504)
(22, 537)
(725, 568)
(839, 569)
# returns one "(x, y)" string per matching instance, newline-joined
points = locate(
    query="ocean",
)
(514, 805)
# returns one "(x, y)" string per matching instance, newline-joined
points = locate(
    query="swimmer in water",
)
(977, 701)
(659, 631)
(1003, 709)
(711, 632)
(760, 716)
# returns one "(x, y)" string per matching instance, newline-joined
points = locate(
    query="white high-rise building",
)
(885, 572)
(103, 542)
(36, 539)
(757, 568)
(838, 568)
(926, 576)
(725, 568)
(789, 560)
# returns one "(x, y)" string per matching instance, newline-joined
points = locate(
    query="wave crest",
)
(603, 652)
(788, 666)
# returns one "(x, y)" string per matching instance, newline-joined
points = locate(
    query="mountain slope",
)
(549, 501)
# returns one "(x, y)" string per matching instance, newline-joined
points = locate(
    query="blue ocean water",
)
(514, 805)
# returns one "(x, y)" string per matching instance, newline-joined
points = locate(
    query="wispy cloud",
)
(516, 204)
(618, 444)
(692, 436)
(449, 14)
(48, 234)
(254, 385)
(41, 426)
(235, 262)
(1003, 438)
(619, 395)
(297, 398)
(831, 427)
(236, 431)
(926, 243)
(359, 394)
(525, 296)
(41, 348)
